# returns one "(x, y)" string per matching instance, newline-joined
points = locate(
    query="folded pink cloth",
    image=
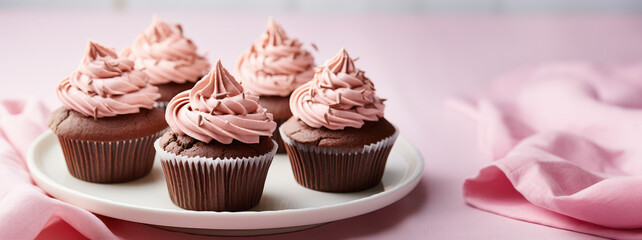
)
(566, 145)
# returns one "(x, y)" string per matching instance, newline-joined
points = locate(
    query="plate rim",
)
(57, 190)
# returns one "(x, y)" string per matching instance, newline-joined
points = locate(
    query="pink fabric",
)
(566, 140)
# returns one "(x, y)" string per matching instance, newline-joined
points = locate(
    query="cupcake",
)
(107, 125)
(168, 58)
(272, 68)
(217, 154)
(338, 139)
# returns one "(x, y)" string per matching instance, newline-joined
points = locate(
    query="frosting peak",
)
(102, 62)
(160, 30)
(341, 63)
(217, 84)
(165, 55)
(217, 108)
(275, 64)
(275, 34)
(95, 50)
(105, 85)
(339, 96)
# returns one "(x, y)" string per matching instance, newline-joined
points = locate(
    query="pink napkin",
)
(26, 210)
(566, 145)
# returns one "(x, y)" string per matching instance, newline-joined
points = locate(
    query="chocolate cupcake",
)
(217, 154)
(168, 58)
(272, 68)
(108, 124)
(338, 139)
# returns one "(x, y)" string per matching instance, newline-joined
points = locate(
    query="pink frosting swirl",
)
(165, 55)
(218, 108)
(275, 65)
(105, 85)
(339, 96)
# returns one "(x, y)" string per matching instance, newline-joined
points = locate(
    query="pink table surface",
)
(415, 61)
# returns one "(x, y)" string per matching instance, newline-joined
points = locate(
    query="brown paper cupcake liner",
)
(338, 170)
(109, 162)
(208, 184)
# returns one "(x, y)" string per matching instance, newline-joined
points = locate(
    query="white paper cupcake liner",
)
(338, 169)
(109, 162)
(215, 184)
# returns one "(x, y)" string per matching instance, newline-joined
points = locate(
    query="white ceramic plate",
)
(285, 205)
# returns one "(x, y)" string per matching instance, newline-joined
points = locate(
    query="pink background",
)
(416, 62)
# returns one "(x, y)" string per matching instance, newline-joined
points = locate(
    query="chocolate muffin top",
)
(187, 146)
(71, 124)
(278, 106)
(370, 132)
(169, 90)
